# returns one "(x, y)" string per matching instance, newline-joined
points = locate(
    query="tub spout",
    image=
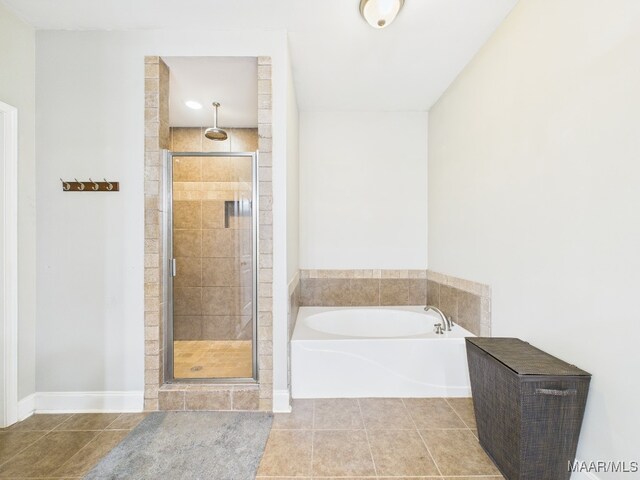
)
(446, 322)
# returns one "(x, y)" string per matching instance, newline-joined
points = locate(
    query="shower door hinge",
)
(174, 270)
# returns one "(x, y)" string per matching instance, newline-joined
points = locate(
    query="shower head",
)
(215, 133)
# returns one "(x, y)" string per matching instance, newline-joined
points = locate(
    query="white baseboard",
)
(26, 407)
(80, 402)
(281, 401)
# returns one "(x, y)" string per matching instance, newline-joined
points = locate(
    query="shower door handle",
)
(174, 270)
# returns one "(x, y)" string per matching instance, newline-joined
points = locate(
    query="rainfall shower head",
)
(215, 133)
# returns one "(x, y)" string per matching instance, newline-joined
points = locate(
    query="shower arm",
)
(215, 114)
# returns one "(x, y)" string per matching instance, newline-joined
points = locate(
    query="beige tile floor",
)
(354, 439)
(351, 439)
(212, 359)
(61, 446)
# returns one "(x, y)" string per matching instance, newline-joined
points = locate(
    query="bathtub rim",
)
(302, 332)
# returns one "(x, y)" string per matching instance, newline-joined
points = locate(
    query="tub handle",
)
(556, 393)
(438, 327)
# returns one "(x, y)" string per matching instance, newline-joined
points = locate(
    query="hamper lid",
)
(523, 358)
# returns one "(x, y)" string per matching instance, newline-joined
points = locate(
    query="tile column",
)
(265, 240)
(156, 114)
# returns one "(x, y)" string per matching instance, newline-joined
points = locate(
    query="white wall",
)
(363, 190)
(534, 178)
(287, 194)
(90, 97)
(17, 88)
(293, 184)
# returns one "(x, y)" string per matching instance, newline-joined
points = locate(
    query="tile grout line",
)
(366, 433)
(44, 433)
(456, 412)
(114, 421)
(99, 432)
(422, 438)
(94, 439)
(65, 421)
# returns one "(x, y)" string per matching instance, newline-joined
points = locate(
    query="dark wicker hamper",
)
(529, 407)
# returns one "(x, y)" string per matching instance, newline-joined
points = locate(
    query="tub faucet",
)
(446, 322)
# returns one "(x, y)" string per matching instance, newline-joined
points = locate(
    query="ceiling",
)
(339, 61)
(230, 81)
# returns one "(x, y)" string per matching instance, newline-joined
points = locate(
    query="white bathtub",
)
(376, 352)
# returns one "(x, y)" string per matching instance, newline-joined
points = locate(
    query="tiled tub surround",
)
(157, 137)
(352, 288)
(294, 304)
(467, 302)
(213, 285)
(292, 316)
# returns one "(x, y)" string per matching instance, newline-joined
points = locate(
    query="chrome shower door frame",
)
(167, 268)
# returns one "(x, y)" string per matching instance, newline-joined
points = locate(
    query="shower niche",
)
(211, 221)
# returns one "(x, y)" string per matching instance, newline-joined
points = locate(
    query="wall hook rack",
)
(90, 186)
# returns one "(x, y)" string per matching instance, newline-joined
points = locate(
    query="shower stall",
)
(210, 227)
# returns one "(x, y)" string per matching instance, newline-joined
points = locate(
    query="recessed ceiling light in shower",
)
(380, 13)
(193, 104)
(215, 133)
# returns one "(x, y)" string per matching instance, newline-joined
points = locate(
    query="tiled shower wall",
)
(467, 303)
(213, 285)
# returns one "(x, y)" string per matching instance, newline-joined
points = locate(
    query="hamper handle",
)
(556, 393)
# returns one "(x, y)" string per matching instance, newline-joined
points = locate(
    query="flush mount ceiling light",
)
(380, 13)
(193, 104)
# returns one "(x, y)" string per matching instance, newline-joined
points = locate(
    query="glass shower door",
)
(213, 264)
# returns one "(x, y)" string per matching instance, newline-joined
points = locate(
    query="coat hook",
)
(110, 185)
(65, 185)
(95, 185)
(81, 184)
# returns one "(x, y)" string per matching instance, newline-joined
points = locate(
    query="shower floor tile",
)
(212, 359)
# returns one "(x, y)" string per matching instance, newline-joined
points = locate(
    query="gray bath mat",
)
(189, 445)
